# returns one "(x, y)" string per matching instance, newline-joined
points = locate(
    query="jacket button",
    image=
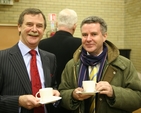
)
(100, 99)
(114, 72)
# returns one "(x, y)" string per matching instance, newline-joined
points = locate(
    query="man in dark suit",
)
(15, 80)
(62, 43)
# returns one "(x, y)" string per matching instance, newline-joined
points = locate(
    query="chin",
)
(89, 50)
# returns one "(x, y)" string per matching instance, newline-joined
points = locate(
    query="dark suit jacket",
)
(14, 78)
(63, 45)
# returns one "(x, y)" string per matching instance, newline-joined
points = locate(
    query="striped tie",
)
(93, 76)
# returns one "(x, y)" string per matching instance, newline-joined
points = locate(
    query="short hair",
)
(33, 11)
(95, 19)
(67, 18)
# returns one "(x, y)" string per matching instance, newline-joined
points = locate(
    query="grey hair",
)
(67, 18)
(95, 19)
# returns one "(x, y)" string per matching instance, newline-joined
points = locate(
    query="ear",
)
(75, 25)
(19, 29)
(104, 37)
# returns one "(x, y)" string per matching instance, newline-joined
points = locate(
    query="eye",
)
(84, 34)
(93, 34)
(29, 24)
(40, 26)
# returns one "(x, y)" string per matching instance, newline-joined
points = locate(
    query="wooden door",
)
(8, 36)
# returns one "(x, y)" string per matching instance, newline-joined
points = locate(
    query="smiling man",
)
(117, 82)
(18, 84)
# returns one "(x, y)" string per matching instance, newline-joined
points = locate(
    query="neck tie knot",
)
(32, 52)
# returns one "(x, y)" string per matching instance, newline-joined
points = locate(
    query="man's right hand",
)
(28, 101)
(79, 96)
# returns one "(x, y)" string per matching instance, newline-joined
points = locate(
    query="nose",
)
(34, 28)
(89, 37)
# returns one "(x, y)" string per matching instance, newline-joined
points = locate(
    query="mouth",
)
(89, 45)
(33, 34)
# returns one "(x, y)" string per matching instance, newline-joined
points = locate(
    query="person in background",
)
(16, 91)
(62, 43)
(118, 84)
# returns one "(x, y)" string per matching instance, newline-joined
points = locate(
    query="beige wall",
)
(113, 11)
(133, 30)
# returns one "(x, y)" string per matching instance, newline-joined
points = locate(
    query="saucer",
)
(50, 100)
(87, 93)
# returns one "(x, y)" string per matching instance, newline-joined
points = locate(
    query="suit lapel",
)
(17, 61)
(46, 64)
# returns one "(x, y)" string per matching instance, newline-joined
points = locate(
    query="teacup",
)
(44, 93)
(89, 86)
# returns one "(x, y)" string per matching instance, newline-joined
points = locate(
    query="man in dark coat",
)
(62, 43)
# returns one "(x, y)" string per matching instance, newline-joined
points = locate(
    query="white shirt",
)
(27, 57)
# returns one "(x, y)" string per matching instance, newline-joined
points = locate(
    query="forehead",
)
(38, 18)
(90, 27)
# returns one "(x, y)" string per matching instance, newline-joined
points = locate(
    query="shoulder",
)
(77, 39)
(44, 40)
(74, 40)
(71, 65)
(46, 53)
(11, 50)
(4, 54)
(122, 62)
(47, 57)
(44, 43)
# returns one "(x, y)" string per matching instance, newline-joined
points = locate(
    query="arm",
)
(130, 93)
(9, 104)
(125, 87)
(67, 86)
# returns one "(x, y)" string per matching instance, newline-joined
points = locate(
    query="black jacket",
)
(14, 78)
(63, 45)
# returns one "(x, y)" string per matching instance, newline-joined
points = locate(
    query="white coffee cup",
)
(88, 86)
(45, 94)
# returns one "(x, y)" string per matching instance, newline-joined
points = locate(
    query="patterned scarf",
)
(90, 60)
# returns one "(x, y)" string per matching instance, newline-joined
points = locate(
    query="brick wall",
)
(111, 10)
(133, 30)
